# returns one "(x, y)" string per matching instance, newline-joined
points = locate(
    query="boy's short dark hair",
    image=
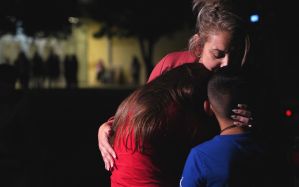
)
(226, 89)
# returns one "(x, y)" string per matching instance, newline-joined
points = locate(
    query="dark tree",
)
(47, 17)
(7, 25)
(148, 21)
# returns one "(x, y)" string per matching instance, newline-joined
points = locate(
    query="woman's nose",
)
(225, 61)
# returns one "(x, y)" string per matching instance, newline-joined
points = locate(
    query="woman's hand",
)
(241, 116)
(107, 151)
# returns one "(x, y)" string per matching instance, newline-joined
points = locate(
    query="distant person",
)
(234, 158)
(135, 70)
(100, 71)
(71, 71)
(53, 68)
(38, 71)
(23, 67)
(120, 77)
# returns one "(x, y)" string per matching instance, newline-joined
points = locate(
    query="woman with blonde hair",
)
(220, 40)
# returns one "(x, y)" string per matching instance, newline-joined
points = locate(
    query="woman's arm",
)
(107, 151)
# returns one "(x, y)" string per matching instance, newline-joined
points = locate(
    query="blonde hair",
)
(217, 16)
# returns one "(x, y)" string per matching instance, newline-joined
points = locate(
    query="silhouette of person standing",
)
(38, 70)
(53, 67)
(71, 71)
(100, 69)
(23, 67)
(135, 70)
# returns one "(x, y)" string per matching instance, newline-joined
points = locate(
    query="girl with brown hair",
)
(155, 127)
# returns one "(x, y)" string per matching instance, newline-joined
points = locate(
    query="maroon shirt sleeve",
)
(171, 61)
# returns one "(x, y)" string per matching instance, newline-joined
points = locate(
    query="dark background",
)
(49, 137)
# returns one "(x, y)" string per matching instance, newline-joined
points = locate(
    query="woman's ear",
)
(208, 108)
(198, 48)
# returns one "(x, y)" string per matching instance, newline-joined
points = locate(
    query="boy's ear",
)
(208, 108)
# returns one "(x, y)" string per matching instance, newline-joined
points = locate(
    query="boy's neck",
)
(227, 127)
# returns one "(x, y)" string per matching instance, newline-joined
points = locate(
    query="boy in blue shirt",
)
(232, 158)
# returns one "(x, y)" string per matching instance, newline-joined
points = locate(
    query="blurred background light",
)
(254, 18)
(288, 113)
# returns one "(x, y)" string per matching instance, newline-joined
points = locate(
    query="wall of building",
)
(115, 53)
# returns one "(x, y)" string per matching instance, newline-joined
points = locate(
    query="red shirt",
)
(170, 61)
(135, 169)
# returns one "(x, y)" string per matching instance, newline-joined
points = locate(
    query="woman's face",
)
(216, 51)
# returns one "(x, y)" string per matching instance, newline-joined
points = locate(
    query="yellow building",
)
(90, 50)
(115, 53)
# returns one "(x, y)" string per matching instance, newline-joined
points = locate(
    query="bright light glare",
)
(254, 18)
(73, 20)
(288, 113)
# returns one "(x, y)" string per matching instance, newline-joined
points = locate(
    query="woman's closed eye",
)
(218, 54)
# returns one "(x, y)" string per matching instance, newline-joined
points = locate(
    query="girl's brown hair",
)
(169, 106)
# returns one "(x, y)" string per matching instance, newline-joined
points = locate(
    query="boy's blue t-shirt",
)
(226, 160)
